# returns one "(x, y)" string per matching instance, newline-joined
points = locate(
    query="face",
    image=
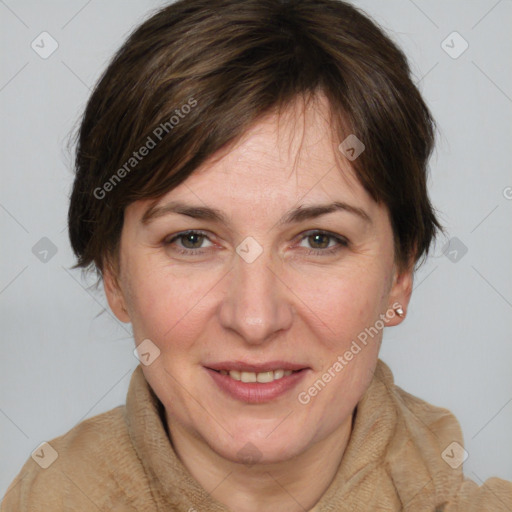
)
(255, 272)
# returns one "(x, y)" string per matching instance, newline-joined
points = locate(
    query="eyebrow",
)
(299, 214)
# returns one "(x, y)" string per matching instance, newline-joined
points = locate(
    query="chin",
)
(256, 446)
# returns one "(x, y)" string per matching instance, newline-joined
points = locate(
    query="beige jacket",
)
(398, 458)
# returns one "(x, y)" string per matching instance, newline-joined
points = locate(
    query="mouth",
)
(256, 383)
(261, 377)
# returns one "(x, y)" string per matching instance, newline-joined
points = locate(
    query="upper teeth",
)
(257, 377)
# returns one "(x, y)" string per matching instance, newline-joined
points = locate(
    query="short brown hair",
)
(197, 74)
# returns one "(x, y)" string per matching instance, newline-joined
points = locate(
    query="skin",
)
(295, 302)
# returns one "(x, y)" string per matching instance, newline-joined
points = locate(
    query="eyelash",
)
(341, 243)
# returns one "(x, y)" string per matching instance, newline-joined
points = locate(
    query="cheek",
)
(164, 306)
(341, 304)
(346, 311)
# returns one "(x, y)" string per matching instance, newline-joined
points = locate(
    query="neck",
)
(294, 485)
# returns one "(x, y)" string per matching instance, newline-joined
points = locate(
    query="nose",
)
(257, 304)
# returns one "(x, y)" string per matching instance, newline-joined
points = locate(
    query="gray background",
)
(62, 362)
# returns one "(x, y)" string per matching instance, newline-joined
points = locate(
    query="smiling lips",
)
(258, 382)
(262, 377)
(246, 372)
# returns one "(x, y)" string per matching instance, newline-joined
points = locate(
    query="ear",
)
(400, 292)
(114, 294)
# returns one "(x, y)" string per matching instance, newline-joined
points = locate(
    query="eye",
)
(190, 242)
(323, 243)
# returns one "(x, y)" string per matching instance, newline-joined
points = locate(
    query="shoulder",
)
(430, 439)
(494, 495)
(91, 464)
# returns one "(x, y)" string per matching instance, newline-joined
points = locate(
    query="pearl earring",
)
(399, 311)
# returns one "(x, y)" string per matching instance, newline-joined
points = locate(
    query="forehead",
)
(282, 160)
(298, 143)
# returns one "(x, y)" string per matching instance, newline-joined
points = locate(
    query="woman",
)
(251, 188)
